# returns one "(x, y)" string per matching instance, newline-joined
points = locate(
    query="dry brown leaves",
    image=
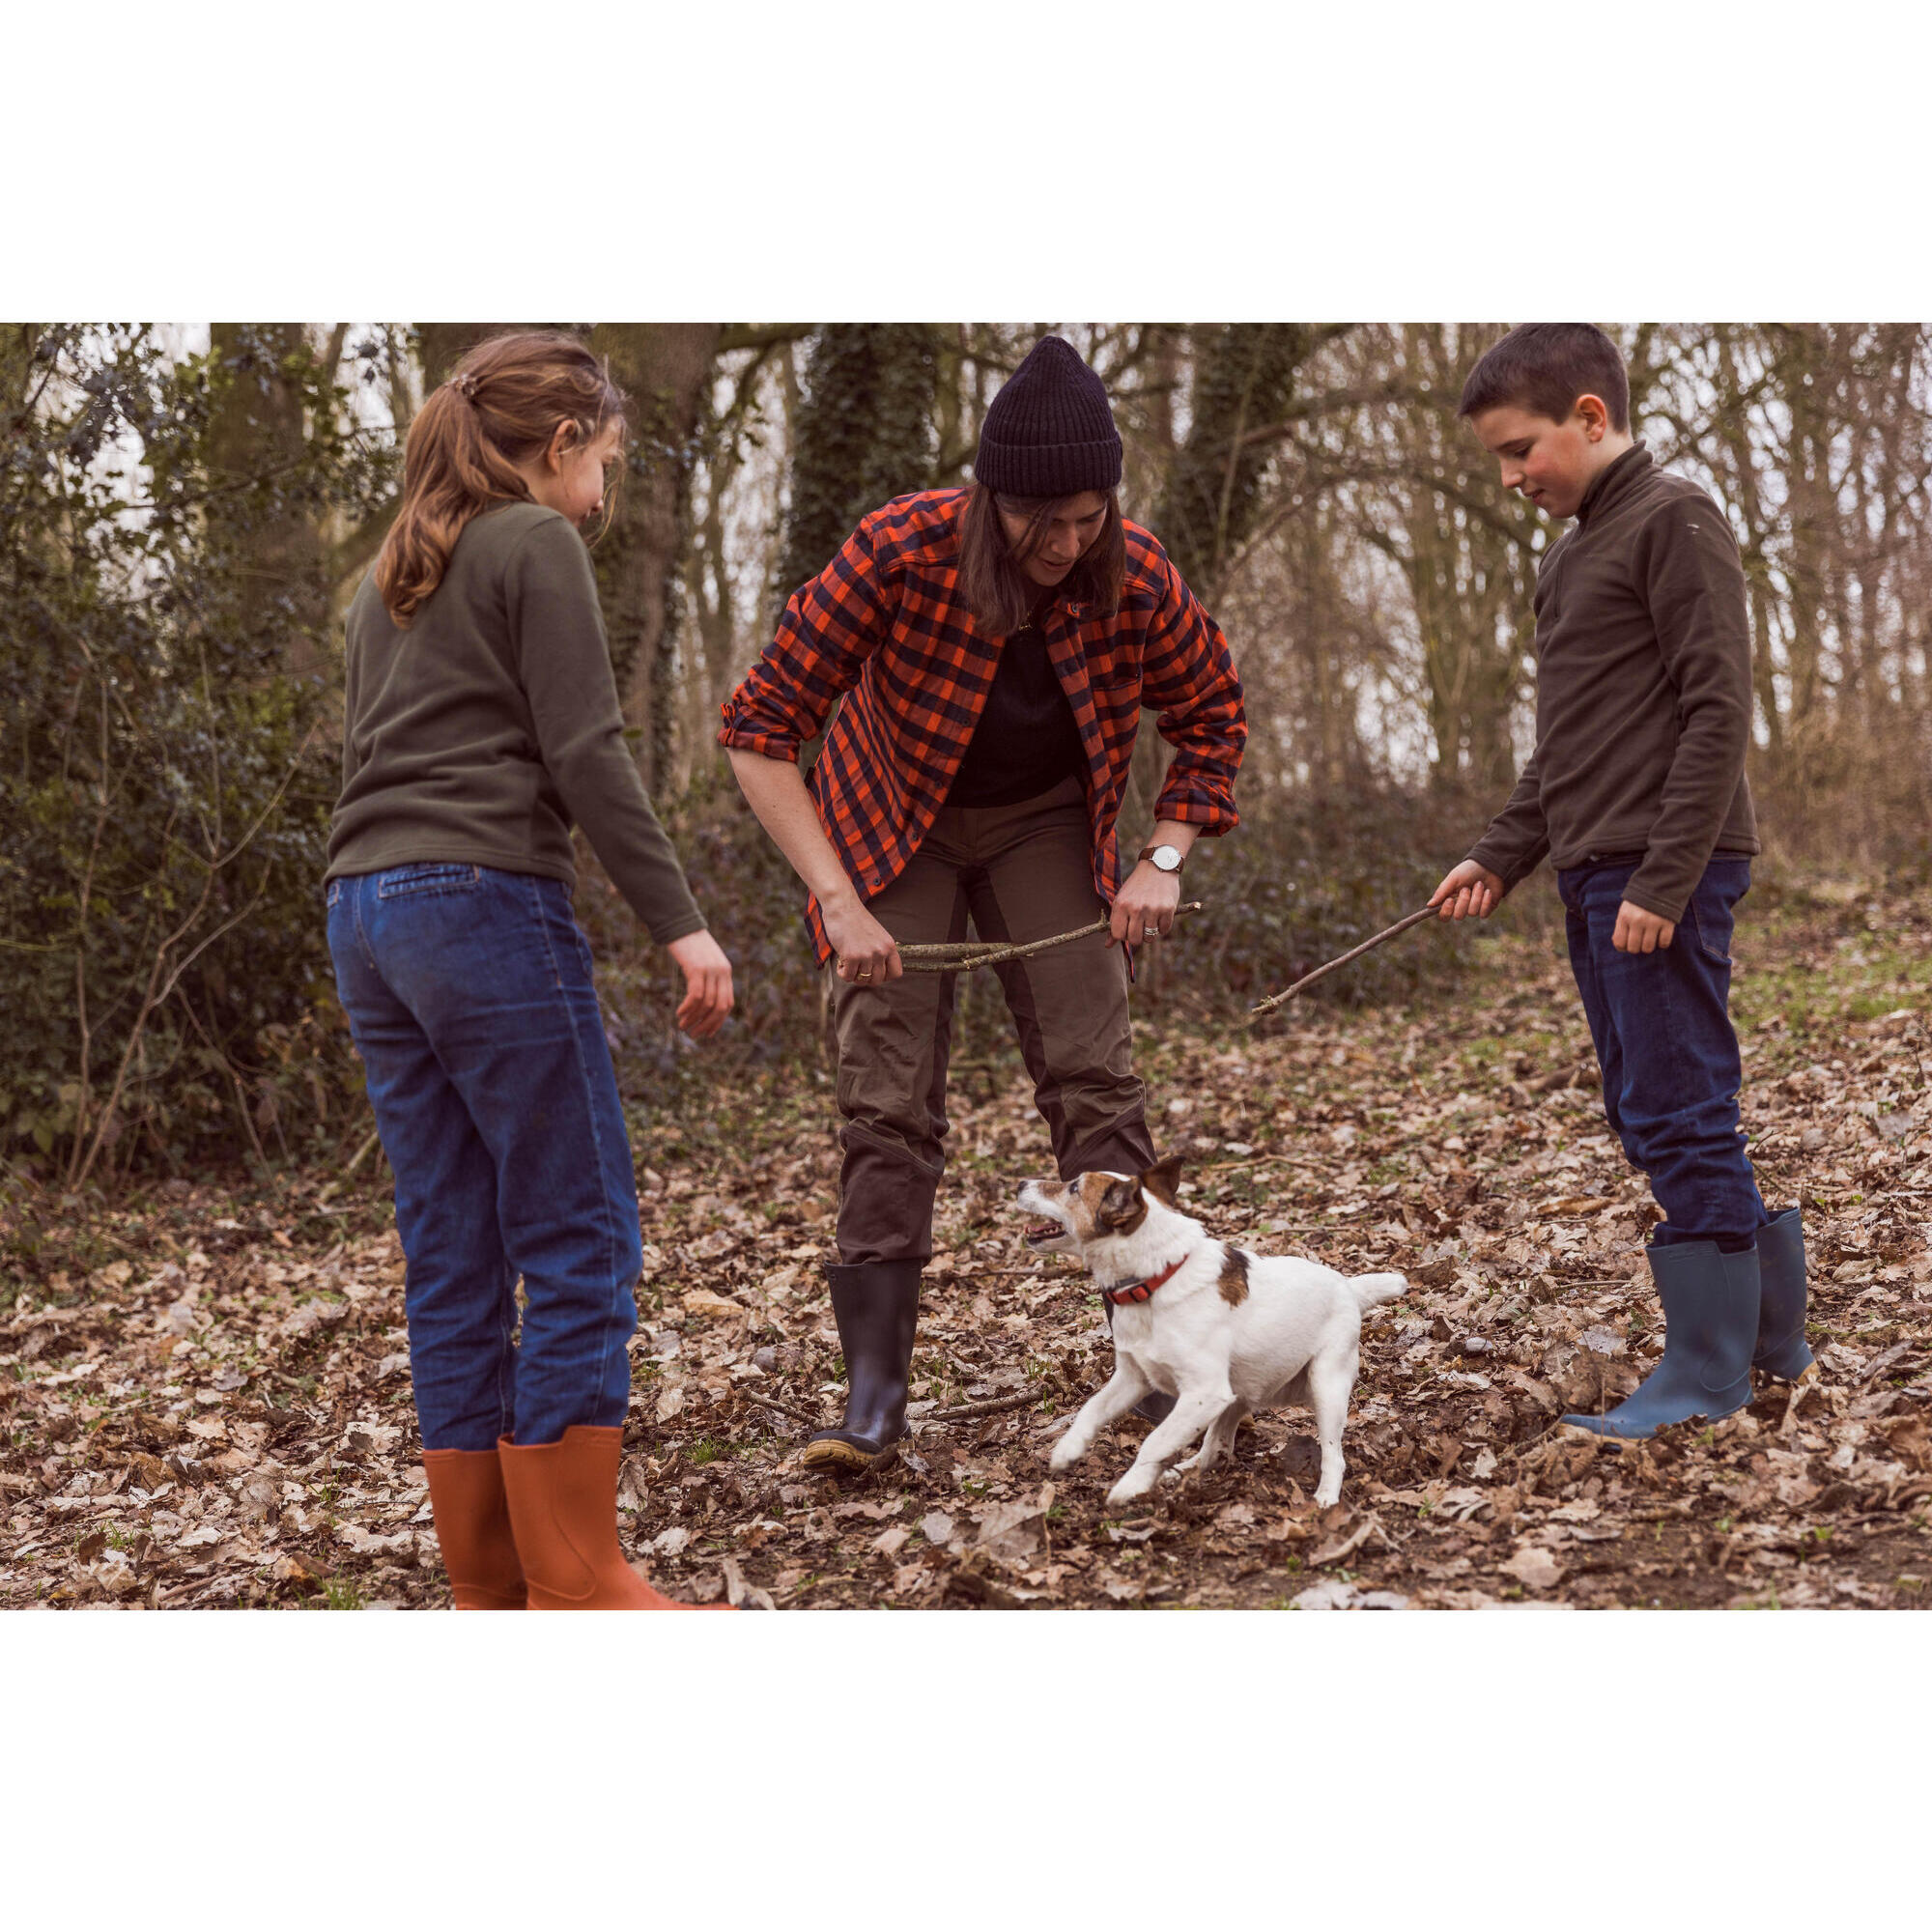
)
(221, 1413)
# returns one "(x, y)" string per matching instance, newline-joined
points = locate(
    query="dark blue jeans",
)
(470, 996)
(1662, 1027)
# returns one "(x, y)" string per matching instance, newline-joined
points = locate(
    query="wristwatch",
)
(1166, 858)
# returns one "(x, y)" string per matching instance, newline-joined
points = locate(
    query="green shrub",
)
(167, 777)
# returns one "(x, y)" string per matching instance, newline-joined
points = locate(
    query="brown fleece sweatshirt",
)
(1643, 692)
(483, 730)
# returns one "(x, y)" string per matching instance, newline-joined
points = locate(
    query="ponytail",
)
(500, 408)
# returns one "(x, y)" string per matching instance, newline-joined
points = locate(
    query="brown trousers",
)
(1019, 873)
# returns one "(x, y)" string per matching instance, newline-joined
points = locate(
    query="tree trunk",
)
(256, 442)
(665, 368)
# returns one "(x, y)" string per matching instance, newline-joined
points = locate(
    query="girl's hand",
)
(1143, 908)
(707, 983)
(1640, 931)
(1470, 889)
(862, 951)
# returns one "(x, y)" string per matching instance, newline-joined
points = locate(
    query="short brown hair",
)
(1545, 366)
(997, 590)
(500, 406)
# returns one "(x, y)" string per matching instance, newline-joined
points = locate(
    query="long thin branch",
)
(1354, 952)
(966, 954)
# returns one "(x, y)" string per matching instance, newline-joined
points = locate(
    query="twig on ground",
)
(998, 1405)
(955, 1272)
(782, 1408)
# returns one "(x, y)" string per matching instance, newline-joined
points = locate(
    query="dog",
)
(1224, 1331)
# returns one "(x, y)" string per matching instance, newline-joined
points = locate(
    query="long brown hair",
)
(500, 406)
(995, 587)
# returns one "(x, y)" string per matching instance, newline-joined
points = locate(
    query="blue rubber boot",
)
(1781, 1349)
(1710, 1328)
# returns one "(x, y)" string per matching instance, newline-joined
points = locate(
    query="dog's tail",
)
(1373, 1288)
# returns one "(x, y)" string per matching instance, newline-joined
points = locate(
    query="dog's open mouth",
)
(1040, 1232)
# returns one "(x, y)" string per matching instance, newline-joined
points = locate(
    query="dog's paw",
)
(1328, 1494)
(1130, 1488)
(1066, 1453)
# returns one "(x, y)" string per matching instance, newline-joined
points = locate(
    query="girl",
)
(480, 719)
(998, 644)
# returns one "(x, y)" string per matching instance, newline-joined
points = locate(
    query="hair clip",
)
(465, 385)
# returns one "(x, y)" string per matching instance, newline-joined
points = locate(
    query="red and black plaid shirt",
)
(884, 620)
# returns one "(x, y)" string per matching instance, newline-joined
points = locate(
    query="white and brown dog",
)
(1223, 1332)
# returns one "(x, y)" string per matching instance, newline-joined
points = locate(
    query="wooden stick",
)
(1321, 972)
(999, 1406)
(782, 1408)
(964, 955)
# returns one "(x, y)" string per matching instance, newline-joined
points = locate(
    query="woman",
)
(480, 719)
(997, 644)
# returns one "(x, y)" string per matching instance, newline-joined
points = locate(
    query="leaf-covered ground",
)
(205, 1395)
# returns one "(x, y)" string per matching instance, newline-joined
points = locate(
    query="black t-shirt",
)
(1026, 741)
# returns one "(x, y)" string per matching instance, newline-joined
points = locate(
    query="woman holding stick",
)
(994, 647)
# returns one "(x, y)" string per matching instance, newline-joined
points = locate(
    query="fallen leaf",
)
(1534, 1567)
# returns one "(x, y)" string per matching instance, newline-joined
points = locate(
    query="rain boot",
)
(1781, 1349)
(472, 1526)
(563, 1508)
(1709, 1328)
(876, 1306)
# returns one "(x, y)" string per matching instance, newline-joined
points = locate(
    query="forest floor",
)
(205, 1392)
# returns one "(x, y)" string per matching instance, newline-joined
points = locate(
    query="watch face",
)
(1167, 858)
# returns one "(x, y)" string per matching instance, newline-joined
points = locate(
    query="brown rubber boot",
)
(563, 1506)
(473, 1525)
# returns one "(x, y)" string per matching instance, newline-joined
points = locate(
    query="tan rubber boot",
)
(563, 1506)
(473, 1525)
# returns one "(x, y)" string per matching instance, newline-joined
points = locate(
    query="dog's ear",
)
(1120, 1207)
(1163, 1181)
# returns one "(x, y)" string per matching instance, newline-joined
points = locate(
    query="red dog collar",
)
(1140, 1291)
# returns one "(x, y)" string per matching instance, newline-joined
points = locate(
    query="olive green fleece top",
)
(1643, 692)
(482, 731)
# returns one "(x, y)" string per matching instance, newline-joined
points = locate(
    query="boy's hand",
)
(707, 983)
(1640, 931)
(1471, 888)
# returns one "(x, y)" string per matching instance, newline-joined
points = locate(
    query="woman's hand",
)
(707, 983)
(1143, 908)
(1470, 889)
(862, 951)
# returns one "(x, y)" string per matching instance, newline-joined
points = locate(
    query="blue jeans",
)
(470, 996)
(1663, 1032)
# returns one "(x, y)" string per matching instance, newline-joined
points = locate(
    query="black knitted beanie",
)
(1049, 432)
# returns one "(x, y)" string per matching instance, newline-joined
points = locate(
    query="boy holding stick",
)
(1637, 793)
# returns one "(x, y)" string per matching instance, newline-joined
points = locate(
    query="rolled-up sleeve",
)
(1188, 679)
(830, 627)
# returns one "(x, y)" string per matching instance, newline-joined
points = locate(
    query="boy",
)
(1636, 791)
